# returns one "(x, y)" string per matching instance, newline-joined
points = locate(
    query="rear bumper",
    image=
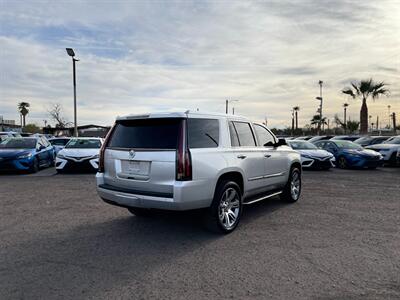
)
(186, 195)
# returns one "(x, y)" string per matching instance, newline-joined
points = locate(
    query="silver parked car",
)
(191, 160)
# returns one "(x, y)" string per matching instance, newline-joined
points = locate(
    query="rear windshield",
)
(146, 134)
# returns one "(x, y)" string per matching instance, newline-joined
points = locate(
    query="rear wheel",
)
(292, 190)
(342, 162)
(226, 209)
(140, 212)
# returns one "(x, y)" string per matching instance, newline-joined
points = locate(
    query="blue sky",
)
(140, 56)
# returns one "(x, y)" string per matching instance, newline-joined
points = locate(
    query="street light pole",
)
(320, 107)
(71, 53)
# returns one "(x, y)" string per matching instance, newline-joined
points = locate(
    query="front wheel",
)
(226, 209)
(35, 165)
(342, 162)
(292, 190)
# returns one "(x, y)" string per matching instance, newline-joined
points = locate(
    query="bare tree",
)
(56, 114)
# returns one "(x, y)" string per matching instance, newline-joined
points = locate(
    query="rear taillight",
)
(183, 158)
(103, 149)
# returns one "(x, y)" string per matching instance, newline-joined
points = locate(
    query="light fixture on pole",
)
(71, 53)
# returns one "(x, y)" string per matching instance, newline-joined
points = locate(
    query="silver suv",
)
(191, 160)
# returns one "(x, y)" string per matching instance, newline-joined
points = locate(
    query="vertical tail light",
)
(183, 158)
(103, 149)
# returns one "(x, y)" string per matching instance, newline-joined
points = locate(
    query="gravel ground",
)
(340, 241)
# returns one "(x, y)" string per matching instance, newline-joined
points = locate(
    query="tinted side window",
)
(233, 134)
(245, 134)
(263, 135)
(146, 134)
(203, 133)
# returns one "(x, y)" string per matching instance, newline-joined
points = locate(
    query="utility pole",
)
(345, 105)
(233, 110)
(320, 106)
(292, 122)
(394, 121)
(377, 122)
(370, 122)
(71, 53)
(226, 106)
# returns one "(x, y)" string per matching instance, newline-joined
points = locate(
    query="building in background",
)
(83, 131)
(9, 125)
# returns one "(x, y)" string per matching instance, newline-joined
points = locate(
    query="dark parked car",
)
(26, 154)
(59, 143)
(371, 140)
(349, 154)
(350, 138)
(304, 138)
(320, 138)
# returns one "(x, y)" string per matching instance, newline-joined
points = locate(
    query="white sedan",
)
(311, 156)
(388, 149)
(79, 154)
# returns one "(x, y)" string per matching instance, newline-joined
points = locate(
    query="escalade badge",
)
(132, 154)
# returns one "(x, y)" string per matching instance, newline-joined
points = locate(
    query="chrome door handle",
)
(241, 156)
(267, 155)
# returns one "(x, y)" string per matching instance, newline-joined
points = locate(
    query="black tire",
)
(342, 163)
(294, 178)
(222, 210)
(52, 162)
(393, 160)
(140, 212)
(372, 168)
(35, 166)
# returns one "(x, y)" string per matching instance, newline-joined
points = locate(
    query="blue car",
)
(26, 154)
(351, 155)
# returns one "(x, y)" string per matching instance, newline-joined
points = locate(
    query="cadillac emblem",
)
(132, 154)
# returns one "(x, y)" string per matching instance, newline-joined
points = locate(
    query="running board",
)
(263, 198)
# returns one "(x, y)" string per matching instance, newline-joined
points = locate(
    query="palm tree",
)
(316, 120)
(363, 89)
(23, 110)
(296, 109)
(352, 125)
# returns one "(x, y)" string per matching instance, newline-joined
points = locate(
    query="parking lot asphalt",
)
(58, 240)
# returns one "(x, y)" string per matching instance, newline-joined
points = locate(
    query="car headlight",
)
(26, 155)
(306, 156)
(59, 155)
(96, 156)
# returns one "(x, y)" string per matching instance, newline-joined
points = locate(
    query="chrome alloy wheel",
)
(295, 185)
(229, 208)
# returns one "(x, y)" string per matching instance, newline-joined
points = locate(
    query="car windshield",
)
(18, 143)
(364, 139)
(394, 140)
(298, 145)
(84, 144)
(348, 145)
